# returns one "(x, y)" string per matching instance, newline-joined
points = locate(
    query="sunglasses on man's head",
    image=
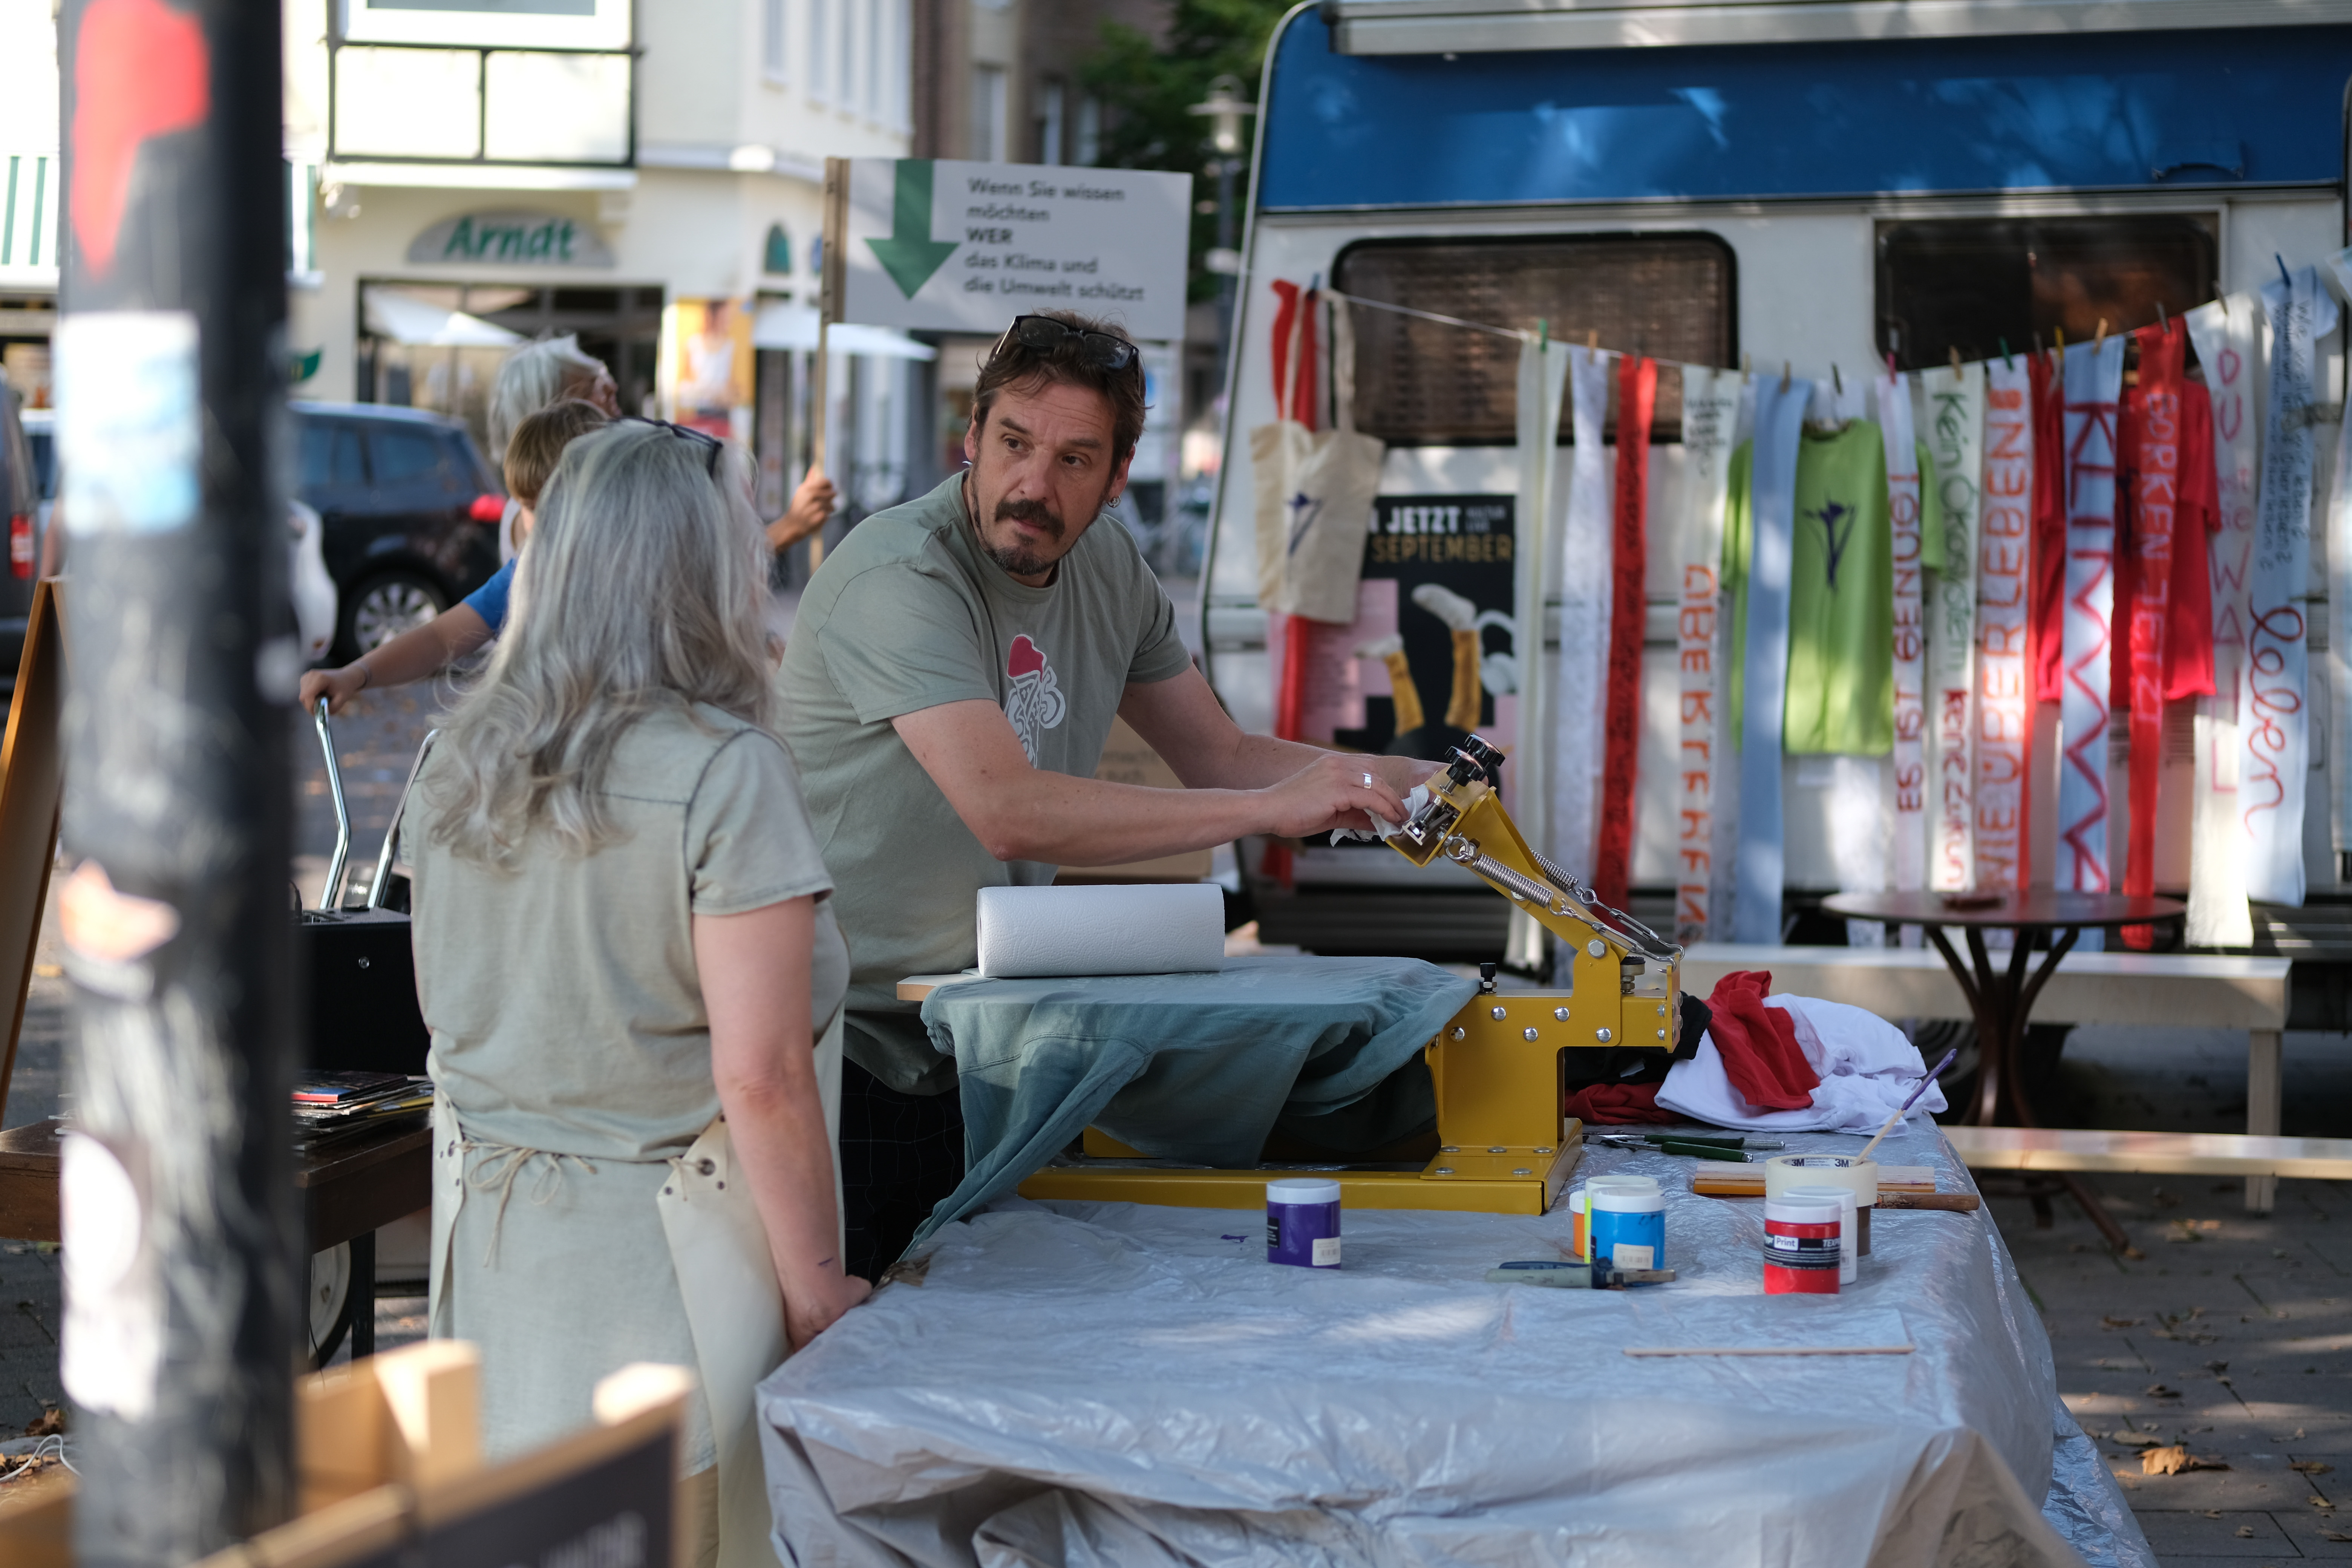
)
(1044, 335)
(686, 433)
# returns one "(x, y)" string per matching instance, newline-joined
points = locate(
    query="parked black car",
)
(20, 500)
(411, 508)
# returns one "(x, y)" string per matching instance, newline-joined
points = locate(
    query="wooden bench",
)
(2191, 991)
(2152, 1153)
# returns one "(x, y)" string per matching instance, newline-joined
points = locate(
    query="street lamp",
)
(1224, 109)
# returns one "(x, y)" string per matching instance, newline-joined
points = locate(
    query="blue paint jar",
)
(1302, 1223)
(1628, 1228)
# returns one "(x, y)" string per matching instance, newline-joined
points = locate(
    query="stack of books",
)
(331, 1106)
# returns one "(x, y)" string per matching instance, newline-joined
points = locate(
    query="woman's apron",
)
(726, 1276)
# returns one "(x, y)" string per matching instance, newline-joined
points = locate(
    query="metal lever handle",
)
(377, 888)
(332, 896)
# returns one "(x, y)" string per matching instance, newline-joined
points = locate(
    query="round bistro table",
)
(2002, 998)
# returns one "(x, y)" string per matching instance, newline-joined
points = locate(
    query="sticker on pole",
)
(129, 421)
(939, 245)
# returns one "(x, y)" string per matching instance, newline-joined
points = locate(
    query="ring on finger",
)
(1367, 781)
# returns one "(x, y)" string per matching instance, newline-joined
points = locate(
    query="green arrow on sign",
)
(910, 255)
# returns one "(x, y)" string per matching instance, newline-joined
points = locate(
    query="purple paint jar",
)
(1302, 1223)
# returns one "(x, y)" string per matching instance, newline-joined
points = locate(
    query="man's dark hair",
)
(1026, 370)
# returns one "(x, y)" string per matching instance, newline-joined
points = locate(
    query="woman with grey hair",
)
(625, 951)
(535, 376)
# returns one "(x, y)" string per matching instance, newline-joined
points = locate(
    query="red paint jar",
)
(1800, 1247)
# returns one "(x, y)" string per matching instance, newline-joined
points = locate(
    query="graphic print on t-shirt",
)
(1837, 527)
(1034, 700)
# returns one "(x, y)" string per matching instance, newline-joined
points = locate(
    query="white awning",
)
(405, 319)
(795, 327)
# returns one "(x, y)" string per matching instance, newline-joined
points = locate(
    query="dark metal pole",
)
(182, 1236)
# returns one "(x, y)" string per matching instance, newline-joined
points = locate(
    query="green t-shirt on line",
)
(1841, 689)
(908, 615)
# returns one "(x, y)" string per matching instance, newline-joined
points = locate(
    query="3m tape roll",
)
(1151, 929)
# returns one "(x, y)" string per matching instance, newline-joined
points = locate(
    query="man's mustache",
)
(1036, 513)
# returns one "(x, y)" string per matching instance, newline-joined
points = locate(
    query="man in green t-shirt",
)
(951, 676)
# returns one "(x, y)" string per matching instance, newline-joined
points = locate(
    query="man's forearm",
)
(1072, 821)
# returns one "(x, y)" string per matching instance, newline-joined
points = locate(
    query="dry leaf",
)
(48, 1424)
(2245, 1533)
(2311, 1466)
(2172, 1460)
(2212, 1513)
(2157, 1390)
(2334, 1535)
(2115, 1322)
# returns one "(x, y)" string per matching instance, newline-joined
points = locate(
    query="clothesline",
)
(1787, 374)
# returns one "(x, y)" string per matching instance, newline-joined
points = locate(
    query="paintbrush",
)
(1904, 1108)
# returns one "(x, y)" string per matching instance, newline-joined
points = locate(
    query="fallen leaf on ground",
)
(2157, 1390)
(2174, 1459)
(2311, 1466)
(2334, 1535)
(48, 1424)
(2115, 1322)
(2212, 1513)
(2245, 1533)
(2217, 1366)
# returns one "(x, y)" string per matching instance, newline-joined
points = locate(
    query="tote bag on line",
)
(1314, 492)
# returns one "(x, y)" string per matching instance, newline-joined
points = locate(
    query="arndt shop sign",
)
(943, 246)
(511, 239)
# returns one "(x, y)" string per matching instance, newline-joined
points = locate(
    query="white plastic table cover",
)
(1099, 1384)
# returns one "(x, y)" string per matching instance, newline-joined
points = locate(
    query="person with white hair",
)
(627, 956)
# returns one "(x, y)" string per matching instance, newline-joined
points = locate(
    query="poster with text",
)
(940, 245)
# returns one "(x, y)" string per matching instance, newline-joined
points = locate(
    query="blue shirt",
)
(489, 600)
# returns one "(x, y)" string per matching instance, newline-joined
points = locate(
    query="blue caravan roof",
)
(2228, 108)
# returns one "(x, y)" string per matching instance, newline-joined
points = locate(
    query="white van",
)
(1816, 185)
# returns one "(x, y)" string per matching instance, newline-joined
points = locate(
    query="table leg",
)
(2264, 1074)
(1978, 992)
(363, 1294)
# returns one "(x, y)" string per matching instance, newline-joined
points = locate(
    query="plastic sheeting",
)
(1099, 1384)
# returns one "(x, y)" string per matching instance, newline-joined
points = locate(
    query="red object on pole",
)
(1637, 388)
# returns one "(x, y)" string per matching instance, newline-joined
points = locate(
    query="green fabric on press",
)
(1840, 590)
(1199, 1068)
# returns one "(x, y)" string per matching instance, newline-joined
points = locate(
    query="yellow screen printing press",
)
(1498, 1067)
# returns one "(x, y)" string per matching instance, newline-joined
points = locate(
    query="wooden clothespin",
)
(1786, 372)
(1747, 366)
(2162, 320)
(1836, 380)
(1955, 363)
(2100, 342)
(1592, 342)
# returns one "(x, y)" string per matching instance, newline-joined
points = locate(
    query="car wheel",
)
(382, 608)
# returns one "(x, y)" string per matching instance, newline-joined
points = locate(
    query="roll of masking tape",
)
(1858, 1176)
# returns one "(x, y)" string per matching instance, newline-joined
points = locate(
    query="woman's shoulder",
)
(667, 754)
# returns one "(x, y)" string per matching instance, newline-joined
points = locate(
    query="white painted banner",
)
(1952, 403)
(945, 246)
(1586, 550)
(2226, 335)
(2274, 723)
(2004, 726)
(1909, 848)
(1710, 411)
(2093, 387)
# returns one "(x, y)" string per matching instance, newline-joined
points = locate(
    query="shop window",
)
(1424, 383)
(1972, 283)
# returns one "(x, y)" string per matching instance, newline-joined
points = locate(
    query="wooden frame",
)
(32, 785)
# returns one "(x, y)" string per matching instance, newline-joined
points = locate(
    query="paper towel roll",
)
(1140, 929)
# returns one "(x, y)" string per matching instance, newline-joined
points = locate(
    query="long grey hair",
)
(641, 592)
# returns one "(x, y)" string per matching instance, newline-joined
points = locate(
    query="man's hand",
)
(337, 685)
(1402, 773)
(1332, 792)
(812, 502)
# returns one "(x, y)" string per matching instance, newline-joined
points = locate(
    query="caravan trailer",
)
(1808, 189)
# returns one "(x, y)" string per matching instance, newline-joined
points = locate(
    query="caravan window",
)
(1422, 383)
(1969, 283)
